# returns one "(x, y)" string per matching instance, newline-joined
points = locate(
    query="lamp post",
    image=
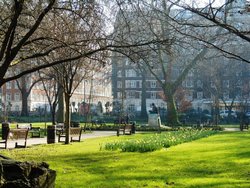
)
(84, 99)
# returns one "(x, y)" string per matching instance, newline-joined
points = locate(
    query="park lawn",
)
(221, 160)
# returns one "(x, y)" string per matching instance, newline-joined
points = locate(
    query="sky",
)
(202, 3)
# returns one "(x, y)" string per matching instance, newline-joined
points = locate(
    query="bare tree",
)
(230, 15)
(50, 86)
(28, 31)
(25, 85)
(145, 21)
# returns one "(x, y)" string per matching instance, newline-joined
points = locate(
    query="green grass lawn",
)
(221, 160)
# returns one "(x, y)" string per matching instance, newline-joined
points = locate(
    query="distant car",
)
(193, 117)
(247, 114)
(225, 113)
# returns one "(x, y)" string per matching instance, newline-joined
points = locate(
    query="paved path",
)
(36, 141)
(231, 129)
(93, 134)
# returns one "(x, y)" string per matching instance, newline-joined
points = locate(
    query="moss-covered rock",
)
(25, 174)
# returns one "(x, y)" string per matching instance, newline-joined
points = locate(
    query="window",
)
(8, 97)
(239, 83)
(119, 84)
(191, 73)
(119, 95)
(131, 107)
(17, 108)
(226, 83)
(239, 95)
(138, 84)
(199, 83)
(126, 61)
(189, 83)
(119, 73)
(133, 84)
(212, 84)
(189, 95)
(127, 83)
(130, 73)
(153, 84)
(131, 94)
(183, 84)
(15, 85)
(138, 95)
(238, 73)
(130, 83)
(8, 85)
(226, 95)
(199, 95)
(17, 97)
(153, 95)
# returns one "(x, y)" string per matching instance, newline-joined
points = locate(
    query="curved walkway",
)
(93, 134)
(36, 141)
(231, 129)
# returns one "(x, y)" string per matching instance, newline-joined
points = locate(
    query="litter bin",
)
(75, 124)
(51, 134)
(5, 130)
(133, 127)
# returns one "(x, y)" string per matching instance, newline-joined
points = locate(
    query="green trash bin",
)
(51, 134)
(5, 129)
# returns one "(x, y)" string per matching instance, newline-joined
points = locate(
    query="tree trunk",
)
(60, 111)
(172, 115)
(143, 98)
(67, 118)
(53, 115)
(25, 96)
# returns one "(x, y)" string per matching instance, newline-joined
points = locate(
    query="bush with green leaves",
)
(157, 141)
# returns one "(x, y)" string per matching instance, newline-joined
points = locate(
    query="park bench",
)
(125, 129)
(244, 125)
(59, 128)
(98, 122)
(35, 132)
(17, 135)
(75, 134)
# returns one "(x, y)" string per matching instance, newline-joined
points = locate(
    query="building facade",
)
(218, 79)
(92, 91)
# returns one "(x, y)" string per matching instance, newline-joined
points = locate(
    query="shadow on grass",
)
(210, 162)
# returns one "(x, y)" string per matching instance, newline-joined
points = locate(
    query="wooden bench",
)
(34, 131)
(75, 132)
(16, 134)
(24, 126)
(125, 129)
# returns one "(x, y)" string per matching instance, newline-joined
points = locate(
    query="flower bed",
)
(158, 141)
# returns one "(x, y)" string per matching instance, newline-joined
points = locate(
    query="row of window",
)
(136, 84)
(135, 95)
(11, 108)
(128, 73)
(225, 83)
(15, 97)
(186, 83)
(189, 95)
(133, 73)
(11, 85)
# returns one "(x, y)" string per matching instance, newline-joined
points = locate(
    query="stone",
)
(25, 174)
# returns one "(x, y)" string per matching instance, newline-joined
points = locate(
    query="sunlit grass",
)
(221, 160)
